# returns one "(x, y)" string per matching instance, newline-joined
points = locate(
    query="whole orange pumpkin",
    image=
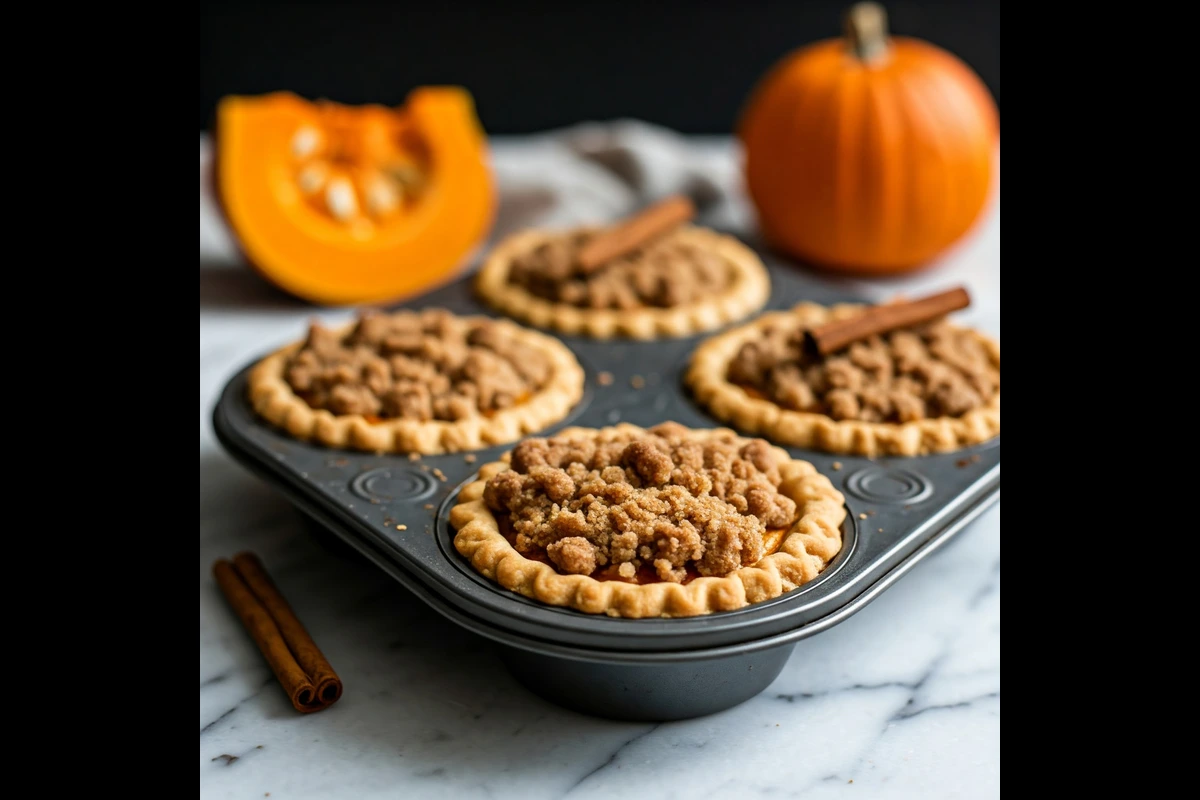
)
(869, 154)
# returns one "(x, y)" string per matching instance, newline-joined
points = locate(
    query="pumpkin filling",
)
(421, 366)
(929, 370)
(643, 508)
(670, 270)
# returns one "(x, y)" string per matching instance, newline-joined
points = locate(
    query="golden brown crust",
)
(730, 403)
(811, 543)
(747, 292)
(275, 401)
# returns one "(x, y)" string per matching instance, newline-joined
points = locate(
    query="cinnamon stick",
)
(298, 664)
(307, 654)
(632, 233)
(833, 336)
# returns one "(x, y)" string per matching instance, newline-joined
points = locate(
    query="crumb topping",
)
(671, 270)
(931, 370)
(428, 365)
(663, 501)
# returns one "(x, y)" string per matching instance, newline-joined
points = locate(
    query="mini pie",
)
(931, 388)
(688, 280)
(665, 522)
(427, 382)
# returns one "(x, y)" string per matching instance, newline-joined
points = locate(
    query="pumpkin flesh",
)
(339, 204)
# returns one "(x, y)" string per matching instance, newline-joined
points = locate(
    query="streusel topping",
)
(671, 270)
(427, 365)
(931, 370)
(679, 505)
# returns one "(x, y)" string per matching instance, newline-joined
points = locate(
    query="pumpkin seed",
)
(383, 196)
(305, 141)
(340, 199)
(407, 175)
(312, 178)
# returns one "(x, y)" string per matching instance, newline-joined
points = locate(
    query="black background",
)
(534, 66)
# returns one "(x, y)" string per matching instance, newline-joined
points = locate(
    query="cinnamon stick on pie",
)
(298, 664)
(627, 236)
(833, 336)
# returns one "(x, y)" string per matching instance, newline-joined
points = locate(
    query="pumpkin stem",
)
(866, 31)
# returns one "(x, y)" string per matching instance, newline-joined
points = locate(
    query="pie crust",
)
(807, 547)
(274, 399)
(748, 290)
(731, 403)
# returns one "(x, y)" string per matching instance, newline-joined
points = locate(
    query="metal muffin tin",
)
(898, 510)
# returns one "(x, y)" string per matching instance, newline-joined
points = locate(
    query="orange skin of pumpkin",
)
(310, 255)
(869, 168)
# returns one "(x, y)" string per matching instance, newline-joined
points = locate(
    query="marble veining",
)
(901, 700)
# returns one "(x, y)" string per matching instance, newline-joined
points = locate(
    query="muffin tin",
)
(899, 509)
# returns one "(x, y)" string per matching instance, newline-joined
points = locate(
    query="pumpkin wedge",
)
(354, 204)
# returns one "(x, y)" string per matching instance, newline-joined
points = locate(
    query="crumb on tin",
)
(437, 473)
(836, 465)
(401, 527)
(637, 381)
(414, 456)
(604, 379)
(469, 458)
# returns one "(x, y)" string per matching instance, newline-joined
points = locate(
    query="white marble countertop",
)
(901, 700)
